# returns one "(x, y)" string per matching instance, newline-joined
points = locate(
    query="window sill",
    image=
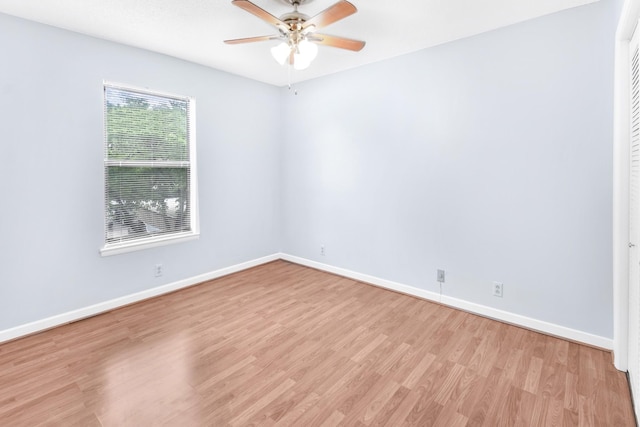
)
(153, 242)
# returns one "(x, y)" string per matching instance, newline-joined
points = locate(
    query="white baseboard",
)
(72, 316)
(493, 313)
(515, 319)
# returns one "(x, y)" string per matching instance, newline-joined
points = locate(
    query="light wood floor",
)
(286, 345)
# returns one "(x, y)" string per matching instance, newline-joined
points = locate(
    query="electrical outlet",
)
(441, 276)
(497, 289)
(158, 270)
(322, 250)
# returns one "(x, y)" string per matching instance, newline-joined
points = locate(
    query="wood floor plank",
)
(398, 416)
(510, 407)
(533, 375)
(289, 416)
(390, 408)
(372, 402)
(285, 345)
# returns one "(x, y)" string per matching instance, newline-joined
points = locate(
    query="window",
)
(149, 169)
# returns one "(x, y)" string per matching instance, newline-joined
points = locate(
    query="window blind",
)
(147, 165)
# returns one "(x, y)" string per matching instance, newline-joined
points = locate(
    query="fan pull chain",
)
(295, 91)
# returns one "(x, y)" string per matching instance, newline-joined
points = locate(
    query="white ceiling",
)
(194, 29)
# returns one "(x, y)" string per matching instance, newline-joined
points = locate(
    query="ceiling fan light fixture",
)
(281, 52)
(308, 50)
(299, 62)
(304, 54)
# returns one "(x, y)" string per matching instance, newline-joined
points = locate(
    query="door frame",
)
(621, 110)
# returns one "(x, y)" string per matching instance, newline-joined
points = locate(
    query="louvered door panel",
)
(634, 222)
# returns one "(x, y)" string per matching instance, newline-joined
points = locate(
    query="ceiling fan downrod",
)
(296, 3)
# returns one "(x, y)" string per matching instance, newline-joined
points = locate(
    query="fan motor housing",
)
(294, 19)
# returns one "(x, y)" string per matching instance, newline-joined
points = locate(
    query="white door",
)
(634, 221)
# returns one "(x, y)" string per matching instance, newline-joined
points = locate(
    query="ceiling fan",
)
(298, 31)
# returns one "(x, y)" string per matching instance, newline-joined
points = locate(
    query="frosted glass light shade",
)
(299, 62)
(281, 52)
(308, 50)
(306, 53)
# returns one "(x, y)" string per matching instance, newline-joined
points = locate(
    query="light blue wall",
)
(51, 121)
(489, 157)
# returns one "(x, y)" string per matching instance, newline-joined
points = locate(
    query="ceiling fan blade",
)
(339, 42)
(334, 13)
(252, 39)
(259, 12)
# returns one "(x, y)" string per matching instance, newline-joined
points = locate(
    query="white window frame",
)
(155, 241)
